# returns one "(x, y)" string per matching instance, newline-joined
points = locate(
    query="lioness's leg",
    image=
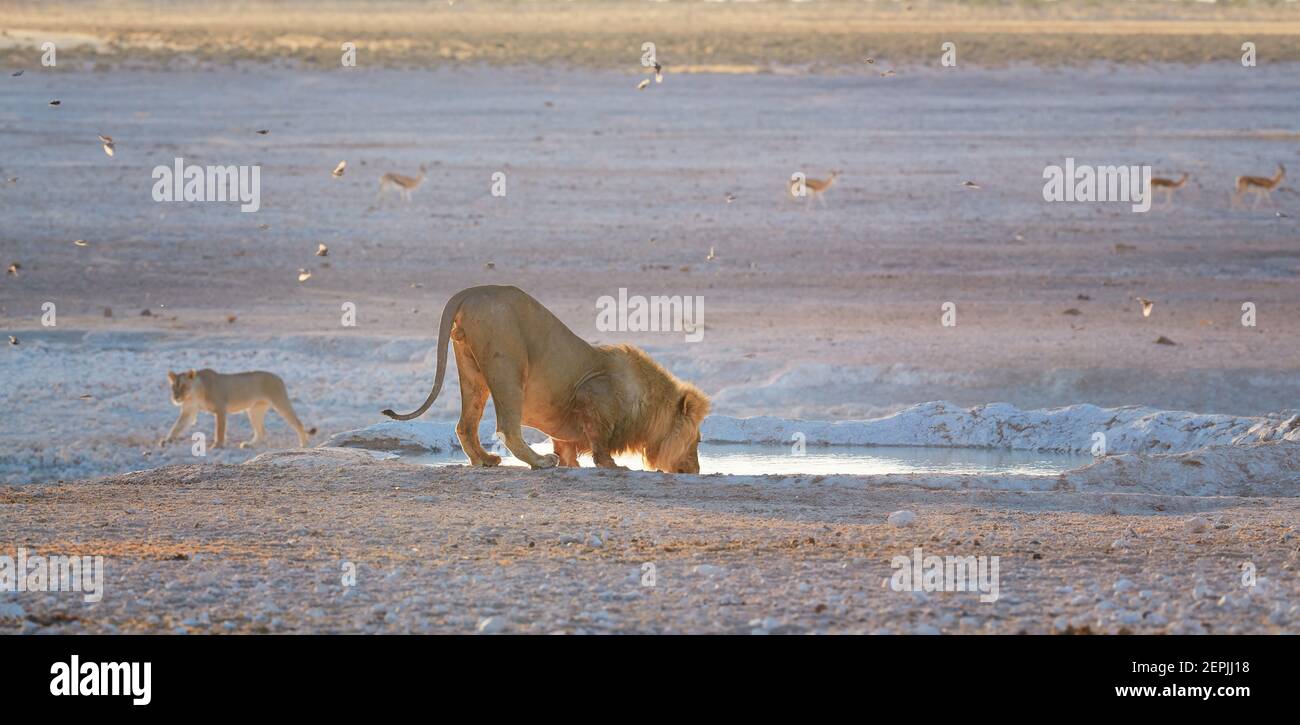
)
(184, 421)
(221, 428)
(257, 418)
(505, 382)
(567, 451)
(473, 398)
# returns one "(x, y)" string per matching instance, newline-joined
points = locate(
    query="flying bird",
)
(13, 340)
(338, 170)
(303, 275)
(1146, 306)
(263, 131)
(731, 198)
(108, 143)
(711, 256)
(644, 84)
(13, 268)
(659, 73)
(871, 61)
(56, 102)
(80, 242)
(970, 185)
(322, 251)
(887, 73)
(16, 74)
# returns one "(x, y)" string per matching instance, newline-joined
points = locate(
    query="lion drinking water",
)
(606, 399)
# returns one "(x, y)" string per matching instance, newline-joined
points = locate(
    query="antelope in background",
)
(404, 184)
(1169, 186)
(1260, 186)
(813, 188)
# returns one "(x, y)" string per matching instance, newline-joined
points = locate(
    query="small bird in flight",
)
(80, 242)
(659, 73)
(871, 61)
(970, 185)
(644, 84)
(887, 74)
(263, 131)
(303, 275)
(13, 269)
(1146, 306)
(731, 198)
(322, 251)
(108, 143)
(16, 74)
(711, 256)
(338, 170)
(13, 340)
(56, 102)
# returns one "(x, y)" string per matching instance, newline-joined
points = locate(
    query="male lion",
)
(605, 399)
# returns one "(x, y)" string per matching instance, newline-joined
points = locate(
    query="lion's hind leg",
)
(473, 398)
(505, 382)
(257, 418)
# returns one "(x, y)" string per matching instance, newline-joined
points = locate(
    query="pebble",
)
(491, 625)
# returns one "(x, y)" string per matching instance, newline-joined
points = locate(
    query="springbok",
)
(1169, 186)
(813, 188)
(1260, 186)
(404, 184)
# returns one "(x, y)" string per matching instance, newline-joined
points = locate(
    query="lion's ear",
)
(171, 376)
(694, 405)
(190, 375)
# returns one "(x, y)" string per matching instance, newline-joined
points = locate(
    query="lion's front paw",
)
(550, 460)
(162, 442)
(491, 460)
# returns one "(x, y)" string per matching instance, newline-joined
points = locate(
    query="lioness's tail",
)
(444, 337)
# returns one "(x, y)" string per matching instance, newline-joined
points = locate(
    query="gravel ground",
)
(262, 547)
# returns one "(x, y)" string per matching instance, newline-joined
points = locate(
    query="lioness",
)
(220, 395)
(605, 399)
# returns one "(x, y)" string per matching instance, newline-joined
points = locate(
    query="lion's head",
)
(676, 447)
(181, 385)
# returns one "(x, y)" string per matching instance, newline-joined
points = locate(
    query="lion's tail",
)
(444, 337)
